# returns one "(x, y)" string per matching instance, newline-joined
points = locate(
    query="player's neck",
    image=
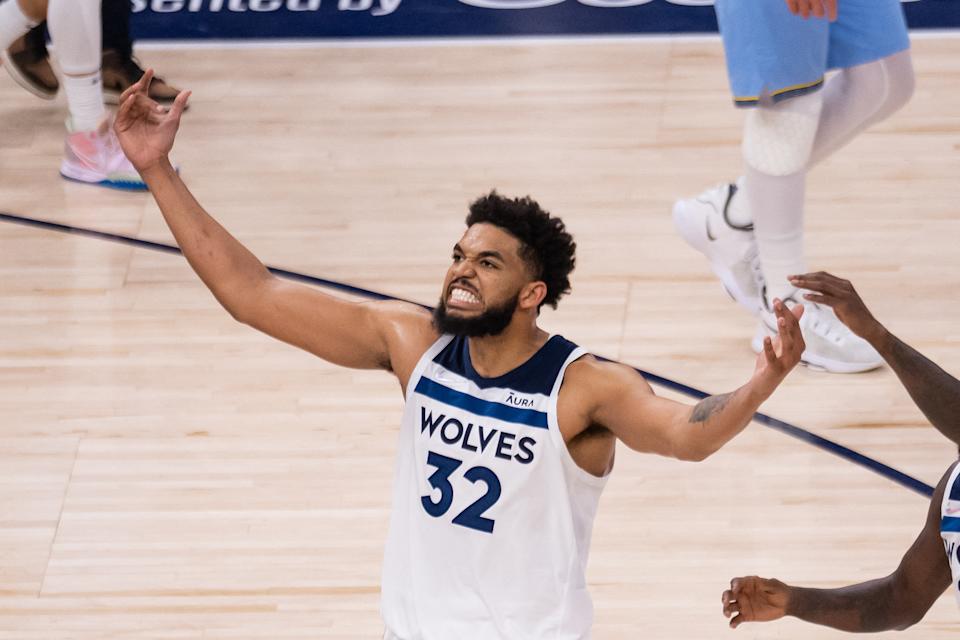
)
(494, 356)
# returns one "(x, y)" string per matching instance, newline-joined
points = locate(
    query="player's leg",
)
(771, 56)
(777, 148)
(870, 45)
(120, 68)
(92, 153)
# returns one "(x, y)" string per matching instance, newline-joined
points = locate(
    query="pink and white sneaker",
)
(95, 157)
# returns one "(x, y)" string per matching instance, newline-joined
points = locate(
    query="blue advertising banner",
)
(227, 19)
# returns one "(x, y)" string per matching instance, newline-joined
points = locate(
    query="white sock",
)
(74, 27)
(13, 23)
(779, 230)
(85, 99)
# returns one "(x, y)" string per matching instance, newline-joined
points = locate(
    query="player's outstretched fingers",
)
(820, 299)
(821, 282)
(729, 604)
(179, 105)
(141, 86)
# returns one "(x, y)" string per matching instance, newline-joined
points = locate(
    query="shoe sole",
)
(687, 228)
(109, 184)
(815, 362)
(14, 72)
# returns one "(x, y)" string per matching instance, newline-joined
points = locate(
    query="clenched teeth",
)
(462, 295)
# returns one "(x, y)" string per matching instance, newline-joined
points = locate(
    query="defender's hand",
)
(753, 599)
(818, 8)
(840, 295)
(145, 129)
(782, 353)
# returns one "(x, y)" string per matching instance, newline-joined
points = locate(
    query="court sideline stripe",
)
(768, 421)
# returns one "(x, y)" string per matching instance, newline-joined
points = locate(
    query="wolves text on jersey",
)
(477, 437)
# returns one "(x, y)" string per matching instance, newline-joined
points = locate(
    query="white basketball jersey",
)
(491, 518)
(950, 527)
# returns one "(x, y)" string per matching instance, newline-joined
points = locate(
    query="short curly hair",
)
(544, 241)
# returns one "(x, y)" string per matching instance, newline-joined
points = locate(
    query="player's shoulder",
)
(601, 378)
(406, 328)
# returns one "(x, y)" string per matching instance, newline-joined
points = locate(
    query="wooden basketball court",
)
(168, 473)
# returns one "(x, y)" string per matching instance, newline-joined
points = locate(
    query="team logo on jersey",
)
(517, 400)
(477, 437)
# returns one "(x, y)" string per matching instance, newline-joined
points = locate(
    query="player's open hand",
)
(817, 8)
(753, 599)
(839, 294)
(146, 130)
(781, 353)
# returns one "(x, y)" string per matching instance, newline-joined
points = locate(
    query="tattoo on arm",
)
(709, 406)
(935, 392)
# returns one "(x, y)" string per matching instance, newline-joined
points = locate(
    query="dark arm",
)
(935, 392)
(896, 601)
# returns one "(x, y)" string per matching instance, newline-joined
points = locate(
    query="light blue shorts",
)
(774, 54)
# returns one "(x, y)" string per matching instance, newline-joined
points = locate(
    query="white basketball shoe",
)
(831, 346)
(732, 251)
(95, 157)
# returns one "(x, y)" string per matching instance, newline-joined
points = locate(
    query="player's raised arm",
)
(346, 333)
(935, 392)
(897, 601)
(625, 404)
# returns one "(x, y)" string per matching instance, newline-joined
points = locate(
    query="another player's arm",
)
(935, 392)
(897, 601)
(351, 334)
(625, 404)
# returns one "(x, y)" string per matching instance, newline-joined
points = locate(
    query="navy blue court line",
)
(479, 406)
(167, 248)
(779, 425)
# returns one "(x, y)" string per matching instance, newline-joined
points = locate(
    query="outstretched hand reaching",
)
(146, 129)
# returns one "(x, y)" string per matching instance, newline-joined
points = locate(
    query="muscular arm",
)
(896, 601)
(648, 423)
(935, 392)
(358, 335)
(371, 335)
(618, 398)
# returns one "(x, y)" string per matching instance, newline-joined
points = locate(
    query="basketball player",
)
(932, 563)
(508, 433)
(752, 231)
(91, 151)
